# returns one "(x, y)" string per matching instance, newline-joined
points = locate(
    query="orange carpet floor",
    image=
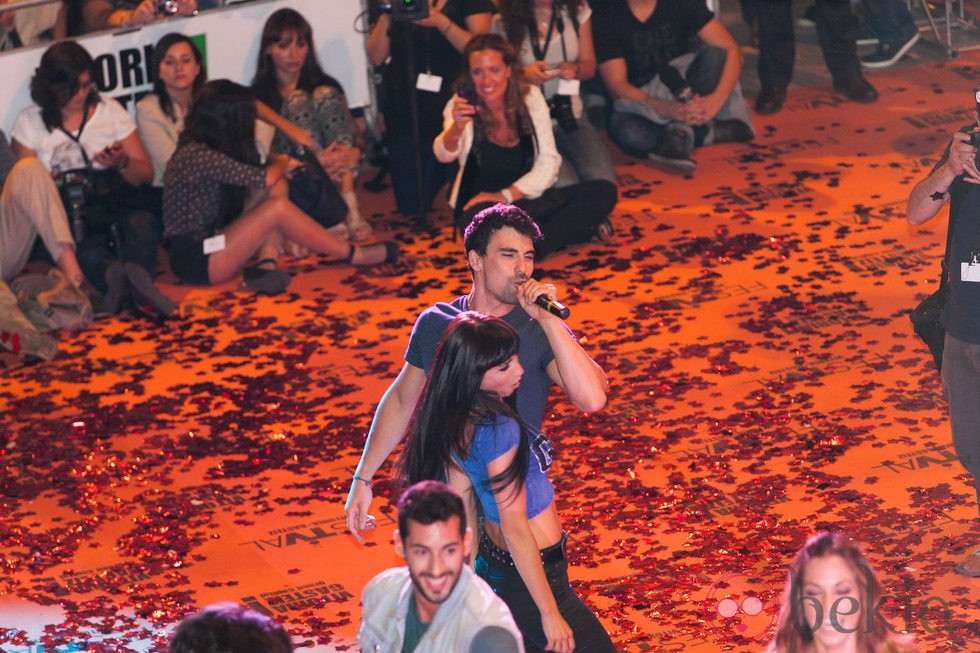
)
(764, 384)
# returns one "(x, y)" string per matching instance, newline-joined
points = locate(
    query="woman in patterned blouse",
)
(221, 206)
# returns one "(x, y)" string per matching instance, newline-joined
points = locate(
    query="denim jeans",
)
(584, 155)
(889, 20)
(590, 636)
(961, 382)
(637, 129)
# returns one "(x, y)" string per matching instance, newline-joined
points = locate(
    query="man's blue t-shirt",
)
(535, 353)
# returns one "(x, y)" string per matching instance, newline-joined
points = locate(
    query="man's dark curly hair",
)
(229, 628)
(490, 220)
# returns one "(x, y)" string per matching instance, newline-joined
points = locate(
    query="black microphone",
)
(675, 83)
(553, 306)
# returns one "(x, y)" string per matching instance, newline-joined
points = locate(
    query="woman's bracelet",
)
(366, 482)
(449, 26)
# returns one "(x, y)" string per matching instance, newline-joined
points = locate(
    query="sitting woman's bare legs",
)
(357, 227)
(278, 218)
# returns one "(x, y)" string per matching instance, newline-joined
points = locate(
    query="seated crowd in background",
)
(189, 176)
(499, 114)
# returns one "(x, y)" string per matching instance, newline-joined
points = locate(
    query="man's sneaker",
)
(970, 566)
(857, 89)
(888, 54)
(730, 131)
(673, 153)
(865, 37)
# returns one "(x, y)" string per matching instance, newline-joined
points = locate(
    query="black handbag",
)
(927, 318)
(312, 190)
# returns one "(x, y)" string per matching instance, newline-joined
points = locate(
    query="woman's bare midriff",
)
(545, 527)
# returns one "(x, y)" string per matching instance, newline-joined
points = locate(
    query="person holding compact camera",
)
(956, 179)
(499, 129)
(420, 57)
(107, 14)
(554, 41)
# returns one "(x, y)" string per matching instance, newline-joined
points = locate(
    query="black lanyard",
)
(555, 22)
(77, 138)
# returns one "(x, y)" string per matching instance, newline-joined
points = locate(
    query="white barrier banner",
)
(231, 44)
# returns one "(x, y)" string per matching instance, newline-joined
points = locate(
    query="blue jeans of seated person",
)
(584, 155)
(506, 582)
(961, 382)
(637, 129)
(889, 20)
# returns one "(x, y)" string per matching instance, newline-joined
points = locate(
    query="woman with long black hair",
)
(221, 207)
(466, 429)
(178, 70)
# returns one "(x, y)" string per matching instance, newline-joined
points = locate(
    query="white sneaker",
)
(888, 55)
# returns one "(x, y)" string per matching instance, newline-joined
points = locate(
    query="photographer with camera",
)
(89, 143)
(956, 179)
(105, 14)
(419, 54)
(499, 129)
(554, 41)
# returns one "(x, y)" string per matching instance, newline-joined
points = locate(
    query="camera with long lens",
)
(406, 10)
(561, 111)
(167, 7)
(73, 186)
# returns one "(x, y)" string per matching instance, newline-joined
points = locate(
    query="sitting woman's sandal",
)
(265, 279)
(386, 251)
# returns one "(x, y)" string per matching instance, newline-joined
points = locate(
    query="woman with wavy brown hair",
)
(499, 129)
(825, 605)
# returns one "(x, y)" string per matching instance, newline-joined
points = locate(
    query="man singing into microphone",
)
(499, 244)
